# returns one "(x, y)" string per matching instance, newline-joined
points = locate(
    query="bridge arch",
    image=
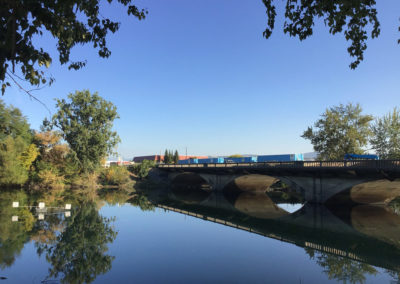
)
(250, 183)
(188, 188)
(314, 186)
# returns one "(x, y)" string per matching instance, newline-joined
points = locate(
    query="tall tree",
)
(176, 157)
(86, 123)
(12, 171)
(13, 123)
(166, 157)
(71, 23)
(15, 144)
(341, 129)
(386, 135)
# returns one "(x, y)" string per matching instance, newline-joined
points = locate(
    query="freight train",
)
(252, 159)
(361, 157)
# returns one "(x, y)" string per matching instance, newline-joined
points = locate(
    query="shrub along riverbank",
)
(66, 152)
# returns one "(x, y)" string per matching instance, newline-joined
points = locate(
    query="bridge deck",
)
(373, 165)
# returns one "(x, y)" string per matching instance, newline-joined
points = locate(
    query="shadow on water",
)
(347, 241)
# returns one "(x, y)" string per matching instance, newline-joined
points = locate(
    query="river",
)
(193, 237)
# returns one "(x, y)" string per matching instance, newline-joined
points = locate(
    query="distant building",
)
(160, 158)
(119, 162)
(155, 158)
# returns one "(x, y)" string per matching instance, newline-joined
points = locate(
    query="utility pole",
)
(186, 153)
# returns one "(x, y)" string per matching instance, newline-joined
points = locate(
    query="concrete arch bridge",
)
(365, 182)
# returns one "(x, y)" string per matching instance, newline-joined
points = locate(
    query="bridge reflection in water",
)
(366, 234)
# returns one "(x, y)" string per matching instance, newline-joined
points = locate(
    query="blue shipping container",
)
(241, 160)
(188, 161)
(211, 161)
(360, 157)
(280, 158)
(298, 157)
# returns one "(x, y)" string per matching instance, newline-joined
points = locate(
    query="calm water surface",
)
(188, 238)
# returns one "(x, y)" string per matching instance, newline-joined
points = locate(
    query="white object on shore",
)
(67, 214)
(14, 218)
(68, 206)
(41, 205)
(15, 204)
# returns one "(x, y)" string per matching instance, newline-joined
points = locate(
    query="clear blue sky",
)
(199, 74)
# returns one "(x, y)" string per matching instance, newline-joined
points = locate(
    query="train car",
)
(188, 161)
(241, 160)
(183, 162)
(280, 158)
(360, 157)
(211, 161)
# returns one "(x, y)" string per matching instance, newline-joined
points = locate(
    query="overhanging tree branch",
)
(28, 92)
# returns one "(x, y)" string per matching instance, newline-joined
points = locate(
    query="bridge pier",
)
(318, 189)
(218, 182)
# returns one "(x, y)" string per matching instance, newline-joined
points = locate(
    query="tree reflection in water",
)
(13, 235)
(141, 201)
(395, 275)
(341, 268)
(76, 247)
(79, 253)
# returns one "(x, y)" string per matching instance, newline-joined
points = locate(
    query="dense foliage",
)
(386, 135)
(353, 18)
(115, 175)
(142, 170)
(13, 123)
(43, 161)
(86, 123)
(71, 23)
(16, 150)
(176, 157)
(56, 164)
(79, 22)
(171, 157)
(13, 171)
(341, 129)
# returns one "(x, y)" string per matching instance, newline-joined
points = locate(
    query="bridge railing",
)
(365, 164)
